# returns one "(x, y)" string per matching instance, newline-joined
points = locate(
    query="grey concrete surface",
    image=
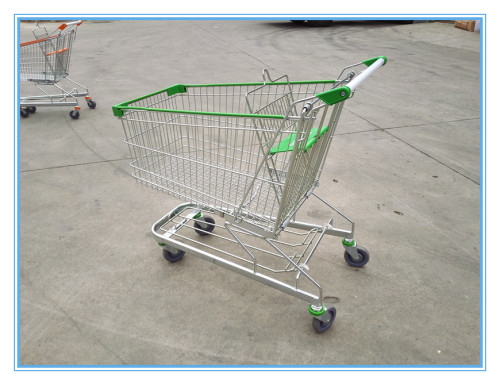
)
(405, 165)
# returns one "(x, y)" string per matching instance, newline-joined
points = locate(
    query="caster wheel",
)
(31, 109)
(75, 114)
(363, 258)
(173, 257)
(91, 103)
(204, 225)
(24, 112)
(321, 326)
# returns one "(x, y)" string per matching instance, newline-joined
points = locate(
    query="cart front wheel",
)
(31, 109)
(75, 114)
(204, 225)
(360, 261)
(91, 104)
(24, 112)
(321, 326)
(173, 257)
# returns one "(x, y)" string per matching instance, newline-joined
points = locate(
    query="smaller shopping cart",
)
(245, 157)
(45, 62)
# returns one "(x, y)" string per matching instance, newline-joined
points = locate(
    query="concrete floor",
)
(405, 165)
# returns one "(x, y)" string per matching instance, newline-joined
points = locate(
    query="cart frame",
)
(45, 62)
(288, 137)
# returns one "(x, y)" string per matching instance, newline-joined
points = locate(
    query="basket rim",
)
(118, 109)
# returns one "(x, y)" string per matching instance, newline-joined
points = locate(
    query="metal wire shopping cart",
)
(45, 62)
(251, 154)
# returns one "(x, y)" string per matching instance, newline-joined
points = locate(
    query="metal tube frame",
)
(165, 237)
(50, 42)
(302, 176)
(64, 98)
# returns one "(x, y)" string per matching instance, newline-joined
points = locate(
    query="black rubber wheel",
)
(173, 257)
(91, 104)
(321, 326)
(31, 109)
(75, 114)
(363, 257)
(24, 112)
(204, 225)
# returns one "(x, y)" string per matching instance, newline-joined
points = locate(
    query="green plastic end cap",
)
(162, 244)
(346, 243)
(335, 95)
(176, 89)
(316, 313)
(117, 111)
(369, 62)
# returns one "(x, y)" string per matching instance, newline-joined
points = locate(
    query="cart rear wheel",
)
(75, 114)
(321, 326)
(204, 225)
(31, 109)
(363, 257)
(91, 104)
(173, 257)
(24, 112)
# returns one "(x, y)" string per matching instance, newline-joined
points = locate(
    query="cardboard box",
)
(468, 25)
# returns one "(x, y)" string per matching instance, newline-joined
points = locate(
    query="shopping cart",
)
(245, 157)
(45, 62)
